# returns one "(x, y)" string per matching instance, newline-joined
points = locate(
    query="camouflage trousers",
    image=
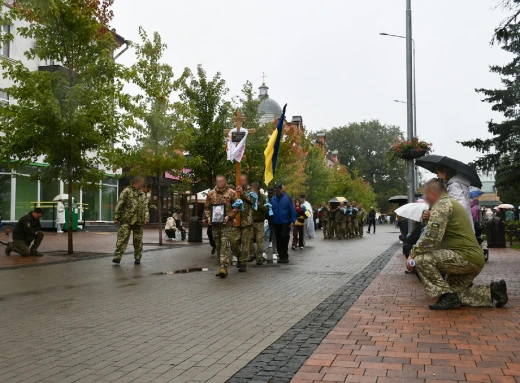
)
(460, 274)
(360, 228)
(341, 229)
(241, 238)
(354, 231)
(258, 235)
(123, 235)
(325, 227)
(21, 247)
(332, 229)
(221, 235)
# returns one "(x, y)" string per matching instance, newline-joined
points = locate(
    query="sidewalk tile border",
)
(279, 362)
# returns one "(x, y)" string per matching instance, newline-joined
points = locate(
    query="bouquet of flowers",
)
(406, 149)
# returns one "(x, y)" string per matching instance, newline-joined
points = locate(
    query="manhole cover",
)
(183, 271)
(327, 273)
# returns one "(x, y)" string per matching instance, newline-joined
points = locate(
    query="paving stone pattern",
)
(390, 336)
(280, 361)
(94, 322)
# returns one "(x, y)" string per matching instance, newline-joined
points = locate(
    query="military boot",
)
(222, 273)
(116, 260)
(499, 293)
(243, 268)
(446, 301)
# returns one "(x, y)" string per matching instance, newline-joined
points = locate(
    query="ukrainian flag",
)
(271, 152)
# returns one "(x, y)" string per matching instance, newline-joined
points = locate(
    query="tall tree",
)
(362, 147)
(207, 114)
(157, 136)
(69, 117)
(254, 160)
(502, 151)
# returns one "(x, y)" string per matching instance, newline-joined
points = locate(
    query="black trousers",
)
(283, 234)
(170, 233)
(370, 223)
(210, 237)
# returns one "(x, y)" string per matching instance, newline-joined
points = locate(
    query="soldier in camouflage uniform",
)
(258, 211)
(362, 217)
(221, 194)
(354, 220)
(325, 221)
(449, 246)
(348, 219)
(241, 236)
(341, 221)
(132, 213)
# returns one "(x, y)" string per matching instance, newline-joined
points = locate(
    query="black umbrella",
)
(400, 199)
(431, 163)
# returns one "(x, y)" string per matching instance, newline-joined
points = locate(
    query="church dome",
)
(270, 106)
(268, 109)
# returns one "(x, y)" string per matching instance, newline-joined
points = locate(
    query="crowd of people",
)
(443, 249)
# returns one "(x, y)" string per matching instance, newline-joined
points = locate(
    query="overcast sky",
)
(328, 62)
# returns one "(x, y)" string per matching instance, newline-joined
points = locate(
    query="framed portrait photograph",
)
(218, 213)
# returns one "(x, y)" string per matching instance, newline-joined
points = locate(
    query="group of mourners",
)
(252, 221)
(345, 220)
(444, 250)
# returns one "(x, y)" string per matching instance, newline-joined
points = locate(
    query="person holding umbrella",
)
(457, 176)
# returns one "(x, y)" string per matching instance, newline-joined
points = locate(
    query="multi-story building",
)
(18, 192)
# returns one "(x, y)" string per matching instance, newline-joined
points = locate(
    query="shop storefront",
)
(19, 194)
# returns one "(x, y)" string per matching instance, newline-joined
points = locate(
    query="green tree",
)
(362, 148)
(206, 116)
(319, 176)
(502, 151)
(158, 140)
(253, 162)
(68, 118)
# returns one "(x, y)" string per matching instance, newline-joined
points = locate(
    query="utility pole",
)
(410, 168)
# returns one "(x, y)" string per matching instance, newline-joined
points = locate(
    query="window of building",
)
(26, 195)
(5, 196)
(6, 46)
(47, 193)
(4, 97)
(91, 199)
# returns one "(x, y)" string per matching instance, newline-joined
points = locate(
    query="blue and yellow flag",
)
(271, 152)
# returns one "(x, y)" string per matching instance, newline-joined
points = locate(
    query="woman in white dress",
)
(60, 215)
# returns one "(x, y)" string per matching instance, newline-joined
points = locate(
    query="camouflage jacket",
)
(449, 228)
(226, 196)
(362, 215)
(340, 216)
(246, 216)
(132, 207)
(324, 214)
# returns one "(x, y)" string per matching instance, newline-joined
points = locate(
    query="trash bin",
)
(496, 233)
(75, 217)
(195, 230)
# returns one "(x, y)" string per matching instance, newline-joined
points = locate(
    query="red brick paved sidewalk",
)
(389, 335)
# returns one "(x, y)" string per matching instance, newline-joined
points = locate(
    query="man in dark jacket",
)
(371, 220)
(284, 215)
(27, 229)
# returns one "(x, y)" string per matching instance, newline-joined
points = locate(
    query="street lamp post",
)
(414, 86)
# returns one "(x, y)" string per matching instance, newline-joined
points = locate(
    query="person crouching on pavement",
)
(170, 228)
(449, 246)
(27, 230)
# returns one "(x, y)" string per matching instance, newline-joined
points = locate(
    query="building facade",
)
(19, 193)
